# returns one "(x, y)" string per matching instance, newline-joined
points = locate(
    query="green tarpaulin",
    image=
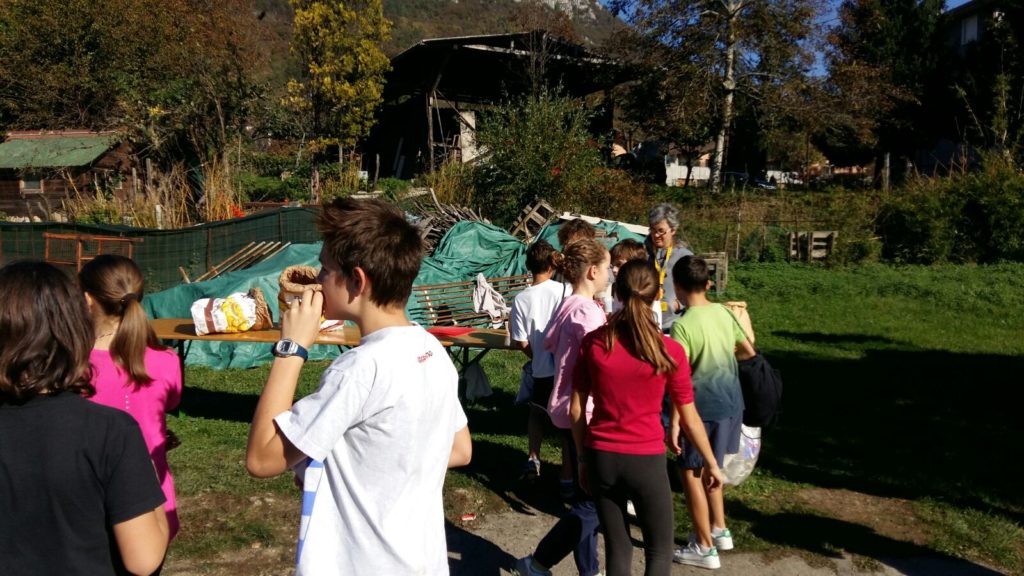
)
(614, 232)
(469, 248)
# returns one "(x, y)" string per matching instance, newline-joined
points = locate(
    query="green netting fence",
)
(160, 252)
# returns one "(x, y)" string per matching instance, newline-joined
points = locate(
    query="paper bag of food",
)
(235, 313)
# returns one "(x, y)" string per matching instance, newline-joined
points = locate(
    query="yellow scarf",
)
(661, 275)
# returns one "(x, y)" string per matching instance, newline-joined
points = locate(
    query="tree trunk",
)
(729, 84)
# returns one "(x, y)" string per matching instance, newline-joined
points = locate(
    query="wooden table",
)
(465, 349)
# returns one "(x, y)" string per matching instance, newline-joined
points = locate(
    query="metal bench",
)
(451, 304)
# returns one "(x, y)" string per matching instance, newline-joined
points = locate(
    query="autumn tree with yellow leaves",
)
(339, 44)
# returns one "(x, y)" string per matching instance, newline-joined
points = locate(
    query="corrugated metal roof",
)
(53, 152)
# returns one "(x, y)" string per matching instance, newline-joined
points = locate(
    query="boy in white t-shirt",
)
(531, 310)
(374, 441)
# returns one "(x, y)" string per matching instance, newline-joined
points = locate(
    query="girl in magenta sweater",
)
(626, 368)
(132, 371)
(584, 263)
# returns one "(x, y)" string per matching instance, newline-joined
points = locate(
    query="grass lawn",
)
(900, 435)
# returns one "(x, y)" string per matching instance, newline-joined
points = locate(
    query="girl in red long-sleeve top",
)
(626, 367)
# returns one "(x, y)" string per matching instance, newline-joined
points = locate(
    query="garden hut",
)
(39, 169)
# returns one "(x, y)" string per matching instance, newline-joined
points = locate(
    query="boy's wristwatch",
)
(287, 347)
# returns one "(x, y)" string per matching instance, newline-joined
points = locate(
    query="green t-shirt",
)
(709, 335)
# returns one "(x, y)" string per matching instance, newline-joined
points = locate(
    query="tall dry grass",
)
(166, 201)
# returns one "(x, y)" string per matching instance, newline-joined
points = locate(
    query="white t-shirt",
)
(655, 308)
(532, 309)
(382, 422)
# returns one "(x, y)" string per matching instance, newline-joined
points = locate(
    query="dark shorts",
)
(724, 437)
(542, 388)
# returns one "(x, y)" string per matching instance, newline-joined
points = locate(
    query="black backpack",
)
(762, 392)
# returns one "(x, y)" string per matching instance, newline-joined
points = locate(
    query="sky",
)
(819, 68)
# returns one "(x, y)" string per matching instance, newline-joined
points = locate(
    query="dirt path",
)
(490, 545)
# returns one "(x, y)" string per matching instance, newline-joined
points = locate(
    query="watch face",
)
(287, 347)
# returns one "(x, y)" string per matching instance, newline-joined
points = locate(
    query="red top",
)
(628, 395)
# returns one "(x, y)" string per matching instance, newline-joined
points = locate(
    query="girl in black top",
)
(80, 495)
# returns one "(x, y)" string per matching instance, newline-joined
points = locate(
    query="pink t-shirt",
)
(574, 319)
(148, 405)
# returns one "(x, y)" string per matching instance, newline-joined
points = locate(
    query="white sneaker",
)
(524, 567)
(531, 470)
(630, 509)
(722, 539)
(692, 555)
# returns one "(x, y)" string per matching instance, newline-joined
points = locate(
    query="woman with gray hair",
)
(663, 251)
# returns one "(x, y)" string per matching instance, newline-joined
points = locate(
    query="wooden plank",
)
(225, 265)
(184, 329)
(255, 256)
(214, 270)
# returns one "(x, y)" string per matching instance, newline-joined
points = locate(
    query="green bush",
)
(769, 244)
(917, 224)
(453, 183)
(265, 164)
(271, 188)
(765, 219)
(537, 148)
(973, 217)
(393, 188)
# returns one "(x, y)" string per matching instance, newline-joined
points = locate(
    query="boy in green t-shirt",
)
(713, 341)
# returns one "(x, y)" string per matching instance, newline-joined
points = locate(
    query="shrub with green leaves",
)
(536, 148)
(971, 217)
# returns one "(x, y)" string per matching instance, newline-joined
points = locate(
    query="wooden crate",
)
(814, 245)
(718, 270)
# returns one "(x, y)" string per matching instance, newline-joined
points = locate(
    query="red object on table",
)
(451, 331)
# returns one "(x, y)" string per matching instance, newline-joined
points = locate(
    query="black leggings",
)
(616, 477)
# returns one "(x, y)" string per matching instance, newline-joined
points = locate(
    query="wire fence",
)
(159, 253)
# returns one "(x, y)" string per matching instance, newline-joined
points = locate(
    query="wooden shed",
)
(436, 89)
(39, 169)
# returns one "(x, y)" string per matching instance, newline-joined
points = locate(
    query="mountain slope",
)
(585, 20)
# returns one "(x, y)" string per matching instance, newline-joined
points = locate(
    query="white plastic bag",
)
(236, 313)
(739, 466)
(477, 383)
(525, 384)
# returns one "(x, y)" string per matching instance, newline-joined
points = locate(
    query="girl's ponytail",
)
(558, 262)
(116, 284)
(133, 336)
(634, 325)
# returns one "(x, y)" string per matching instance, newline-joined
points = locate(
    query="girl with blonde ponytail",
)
(132, 371)
(584, 264)
(625, 368)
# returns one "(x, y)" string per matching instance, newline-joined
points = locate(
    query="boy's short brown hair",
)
(627, 250)
(538, 257)
(573, 230)
(691, 274)
(374, 236)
